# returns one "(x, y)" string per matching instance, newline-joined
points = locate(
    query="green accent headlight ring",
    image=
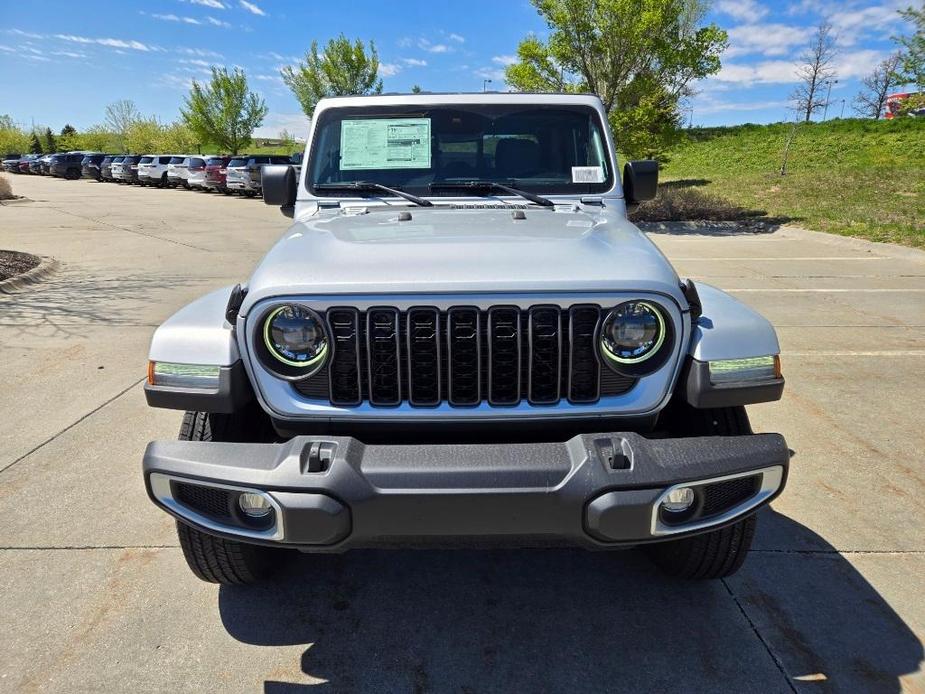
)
(662, 331)
(317, 359)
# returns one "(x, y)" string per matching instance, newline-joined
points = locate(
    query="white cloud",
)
(218, 22)
(743, 10)
(7, 49)
(174, 18)
(504, 59)
(214, 4)
(274, 123)
(489, 73)
(770, 39)
(414, 62)
(195, 61)
(457, 38)
(267, 78)
(426, 45)
(252, 8)
(111, 43)
(69, 54)
(200, 52)
(851, 25)
(857, 63)
(706, 106)
(766, 72)
(27, 34)
(389, 69)
(404, 42)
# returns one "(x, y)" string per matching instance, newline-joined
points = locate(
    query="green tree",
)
(342, 69)
(913, 53)
(12, 138)
(49, 145)
(67, 141)
(178, 137)
(144, 135)
(639, 56)
(35, 147)
(416, 89)
(287, 140)
(99, 138)
(224, 112)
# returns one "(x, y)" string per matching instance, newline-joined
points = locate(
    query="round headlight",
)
(294, 335)
(632, 333)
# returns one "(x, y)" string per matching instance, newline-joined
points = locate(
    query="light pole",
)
(485, 84)
(828, 94)
(842, 109)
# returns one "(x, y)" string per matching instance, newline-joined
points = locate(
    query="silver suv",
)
(243, 173)
(461, 339)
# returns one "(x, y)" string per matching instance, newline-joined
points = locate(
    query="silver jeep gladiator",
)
(462, 340)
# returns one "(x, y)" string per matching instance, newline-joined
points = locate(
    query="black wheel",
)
(227, 562)
(718, 553)
(215, 559)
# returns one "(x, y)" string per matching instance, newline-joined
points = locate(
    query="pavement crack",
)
(72, 425)
(131, 231)
(767, 646)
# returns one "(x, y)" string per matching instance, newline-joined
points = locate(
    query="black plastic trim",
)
(421, 493)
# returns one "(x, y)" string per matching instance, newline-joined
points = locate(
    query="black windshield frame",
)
(417, 183)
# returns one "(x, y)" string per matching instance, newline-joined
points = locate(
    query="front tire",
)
(215, 559)
(718, 553)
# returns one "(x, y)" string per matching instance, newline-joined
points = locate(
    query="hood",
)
(459, 250)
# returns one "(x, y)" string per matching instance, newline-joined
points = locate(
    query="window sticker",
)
(385, 143)
(587, 174)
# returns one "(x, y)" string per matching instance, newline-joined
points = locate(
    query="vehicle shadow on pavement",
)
(571, 620)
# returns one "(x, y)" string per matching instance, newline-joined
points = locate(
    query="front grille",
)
(722, 496)
(209, 501)
(463, 356)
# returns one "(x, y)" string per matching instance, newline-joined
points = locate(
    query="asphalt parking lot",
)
(96, 595)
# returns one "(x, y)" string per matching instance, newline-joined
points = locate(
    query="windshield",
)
(555, 149)
(237, 162)
(146, 160)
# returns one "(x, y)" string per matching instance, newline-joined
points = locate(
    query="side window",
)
(164, 160)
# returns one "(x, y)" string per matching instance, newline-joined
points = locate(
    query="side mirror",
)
(640, 180)
(279, 187)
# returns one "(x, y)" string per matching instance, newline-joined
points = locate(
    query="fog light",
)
(254, 505)
(678, 500)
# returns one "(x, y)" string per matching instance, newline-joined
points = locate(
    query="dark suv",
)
(66, 165)
(90, 166)
(106, 167)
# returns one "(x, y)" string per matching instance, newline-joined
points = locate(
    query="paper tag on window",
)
(587, 174)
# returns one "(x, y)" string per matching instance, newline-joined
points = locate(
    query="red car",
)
(215, 173)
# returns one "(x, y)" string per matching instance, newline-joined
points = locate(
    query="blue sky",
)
(63, 61)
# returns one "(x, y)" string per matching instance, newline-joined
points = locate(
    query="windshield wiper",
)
(492, 185)
(369, 186)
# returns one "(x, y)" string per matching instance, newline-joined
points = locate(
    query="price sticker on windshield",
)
(587, 174)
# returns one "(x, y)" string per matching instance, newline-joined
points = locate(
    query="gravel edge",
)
(46, 267)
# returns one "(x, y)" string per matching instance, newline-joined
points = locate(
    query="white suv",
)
(177, 171)
(152, 169)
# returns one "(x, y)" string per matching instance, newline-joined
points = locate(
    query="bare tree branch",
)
(815, 71)
(871, 100)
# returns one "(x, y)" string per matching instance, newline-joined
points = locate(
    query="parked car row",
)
(240, 174)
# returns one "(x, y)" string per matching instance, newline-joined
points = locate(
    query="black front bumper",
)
(333, 493)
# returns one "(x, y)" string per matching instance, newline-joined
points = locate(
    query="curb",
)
(46, 267)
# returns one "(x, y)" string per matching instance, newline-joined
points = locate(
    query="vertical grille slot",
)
(423, 337)
(545, 354)
(464, 356)
(382, 349)
(584, 369)
(503, 355)
(344, 369)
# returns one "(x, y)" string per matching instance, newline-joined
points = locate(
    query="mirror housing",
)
(640, 181)
(279, 187)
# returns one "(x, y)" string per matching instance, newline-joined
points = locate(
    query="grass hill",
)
(852, 177)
